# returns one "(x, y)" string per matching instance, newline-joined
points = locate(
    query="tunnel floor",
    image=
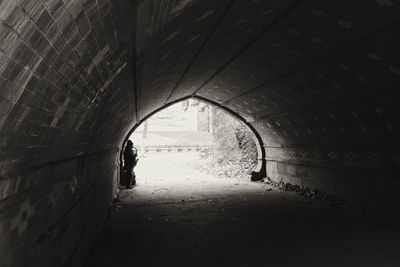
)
(209, 221)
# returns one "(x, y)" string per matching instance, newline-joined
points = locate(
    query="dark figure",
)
(130, 160)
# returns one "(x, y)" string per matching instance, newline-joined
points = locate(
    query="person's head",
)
(129, 144)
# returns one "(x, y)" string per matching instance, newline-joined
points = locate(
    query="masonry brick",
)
(77, 75)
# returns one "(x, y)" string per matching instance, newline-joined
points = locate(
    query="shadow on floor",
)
(221, 222)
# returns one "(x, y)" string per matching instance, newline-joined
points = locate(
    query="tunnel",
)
(317, 81)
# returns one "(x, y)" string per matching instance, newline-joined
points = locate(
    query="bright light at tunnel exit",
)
(193, 140)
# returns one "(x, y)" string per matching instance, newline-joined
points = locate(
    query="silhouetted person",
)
(130, 160)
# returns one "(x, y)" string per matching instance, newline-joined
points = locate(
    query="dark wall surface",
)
(318, 80)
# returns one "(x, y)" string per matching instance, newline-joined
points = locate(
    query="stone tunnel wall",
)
(52, 210)
(56, 216)
(59, 62)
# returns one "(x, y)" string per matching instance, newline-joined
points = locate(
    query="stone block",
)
(281, 167)
(291, 169)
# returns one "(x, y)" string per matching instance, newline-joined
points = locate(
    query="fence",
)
(175, 148)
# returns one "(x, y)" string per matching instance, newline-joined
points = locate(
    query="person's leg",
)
(128, 178)
(123, 177)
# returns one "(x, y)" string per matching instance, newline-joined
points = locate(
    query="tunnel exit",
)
(192, 140)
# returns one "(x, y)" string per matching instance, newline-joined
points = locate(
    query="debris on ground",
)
(313, 194)
(306, 192)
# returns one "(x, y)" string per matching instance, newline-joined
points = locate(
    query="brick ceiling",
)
(76, 74)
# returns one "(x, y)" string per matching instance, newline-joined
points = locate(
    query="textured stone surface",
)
(318, 80)
(207, 221)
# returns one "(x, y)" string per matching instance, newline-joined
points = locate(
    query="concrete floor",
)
(207, 221)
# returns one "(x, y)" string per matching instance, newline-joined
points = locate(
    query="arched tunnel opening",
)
(317, 81)
(193, 135)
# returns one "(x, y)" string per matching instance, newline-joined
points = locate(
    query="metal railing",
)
(174, 148)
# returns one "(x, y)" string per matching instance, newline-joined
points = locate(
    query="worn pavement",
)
(192, 219)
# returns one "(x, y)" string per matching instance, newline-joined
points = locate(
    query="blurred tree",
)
(232, 140)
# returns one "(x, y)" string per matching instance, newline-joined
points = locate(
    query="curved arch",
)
(259, 171)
